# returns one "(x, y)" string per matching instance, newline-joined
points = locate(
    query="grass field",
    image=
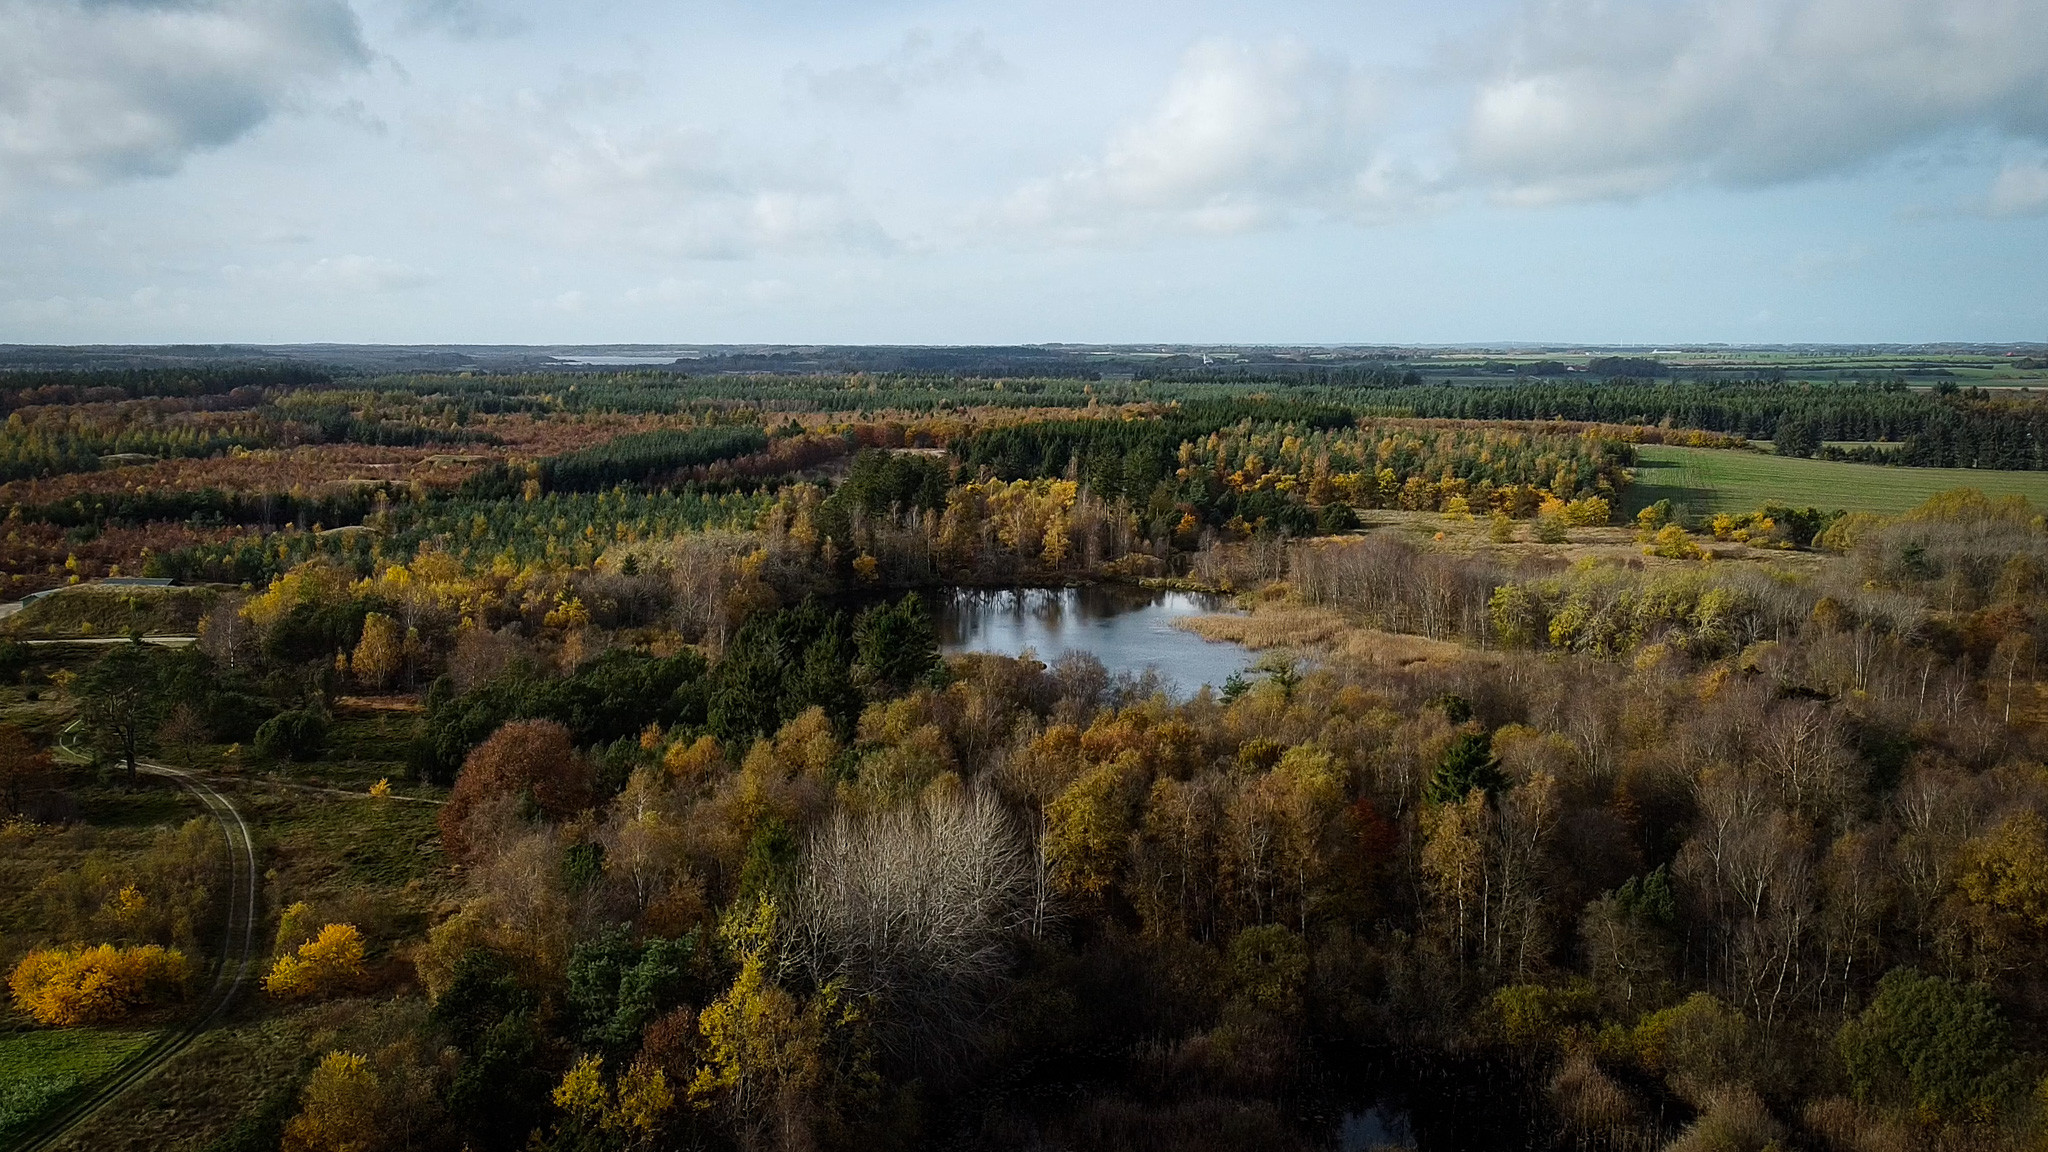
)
(1705, 480)
(40, 1070)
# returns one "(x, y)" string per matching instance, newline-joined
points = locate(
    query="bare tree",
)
(914, 907)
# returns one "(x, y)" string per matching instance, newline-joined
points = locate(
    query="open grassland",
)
(41, 1070)
(90, 611)
(1706, 480)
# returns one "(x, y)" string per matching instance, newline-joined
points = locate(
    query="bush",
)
(295, 735)
(1673, 543)
(331, 962)
(1939, 1046)
(68, 986)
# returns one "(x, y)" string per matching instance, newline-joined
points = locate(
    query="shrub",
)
(1932, 1043)
(295, 735)
(1673, 543)
(68, 986)
(331, 962)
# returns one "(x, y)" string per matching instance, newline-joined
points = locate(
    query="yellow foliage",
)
(68, 986)
(294, 927)
(1673, 543)
(381, 789)
(867, 567)
(380, 653)
(567, 614)
(634, 1109)
(339, 1110)
(330, 962)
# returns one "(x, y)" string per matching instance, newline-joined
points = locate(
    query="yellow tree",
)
(380, 653)
(764, 1052)
(1088, 829)
(339, 1110)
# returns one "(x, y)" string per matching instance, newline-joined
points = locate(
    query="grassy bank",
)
(1716, 480)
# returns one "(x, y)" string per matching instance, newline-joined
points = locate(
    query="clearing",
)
(1706, 480)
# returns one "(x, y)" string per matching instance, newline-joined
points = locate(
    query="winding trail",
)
(238, 960)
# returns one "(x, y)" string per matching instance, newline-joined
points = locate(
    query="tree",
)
(1466, 765)
(1937, 1046)
(767, 1055)
(294, 734)
(380, 654)
(1796, 436)
(339, 1108)
(1087, 831)
(525, 757)
(912, 907)
(120, 701)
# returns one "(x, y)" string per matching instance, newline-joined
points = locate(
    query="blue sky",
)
(1590, 171)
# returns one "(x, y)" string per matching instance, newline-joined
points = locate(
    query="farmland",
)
(1708, 480)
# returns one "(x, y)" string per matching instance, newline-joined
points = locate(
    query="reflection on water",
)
(1128, 629)
(1378, 1127)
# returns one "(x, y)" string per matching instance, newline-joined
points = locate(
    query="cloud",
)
(351, 274)
(1594, 99)
(100, 90)
(1243, 137)
(462, 19)
(915, 64)
(2021, 189)
(667, 187)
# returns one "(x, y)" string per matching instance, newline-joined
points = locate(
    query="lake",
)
(1128, 629)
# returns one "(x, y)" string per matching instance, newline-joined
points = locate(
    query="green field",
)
(40, 1070)
(1705, 480)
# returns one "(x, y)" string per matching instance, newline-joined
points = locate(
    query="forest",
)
(615, 786)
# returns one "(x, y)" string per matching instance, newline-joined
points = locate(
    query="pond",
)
(1129, 629)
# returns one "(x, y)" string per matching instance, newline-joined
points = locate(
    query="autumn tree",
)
(380, 654)
(339, 1108)
(525, 758)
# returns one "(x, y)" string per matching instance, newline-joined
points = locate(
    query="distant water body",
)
(1128, 629)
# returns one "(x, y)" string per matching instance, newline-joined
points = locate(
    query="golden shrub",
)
(67, 986)
(331, 962)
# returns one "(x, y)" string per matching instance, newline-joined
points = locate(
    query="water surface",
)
(1129, 629)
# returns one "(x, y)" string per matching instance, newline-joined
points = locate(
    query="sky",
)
(1089, 171)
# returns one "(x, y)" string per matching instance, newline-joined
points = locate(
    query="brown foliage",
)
(524, 758)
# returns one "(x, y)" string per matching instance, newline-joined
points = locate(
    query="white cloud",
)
(1593, 99)
(97, 90)
(667, 188)
(916, 64)
(351, 274)
(2021, 189)
(1243, 137)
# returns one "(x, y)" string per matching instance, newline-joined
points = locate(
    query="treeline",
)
(21, 388)
(210, 506)
(779, 664)
(1123, 457)
(565, 529)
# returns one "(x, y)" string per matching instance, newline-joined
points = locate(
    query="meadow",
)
(1709, 480)
(40, 1070)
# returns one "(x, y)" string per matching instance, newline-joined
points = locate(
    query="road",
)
(237, 965)
(102, 641)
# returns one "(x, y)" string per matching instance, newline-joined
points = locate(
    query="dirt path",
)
(237, 964)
